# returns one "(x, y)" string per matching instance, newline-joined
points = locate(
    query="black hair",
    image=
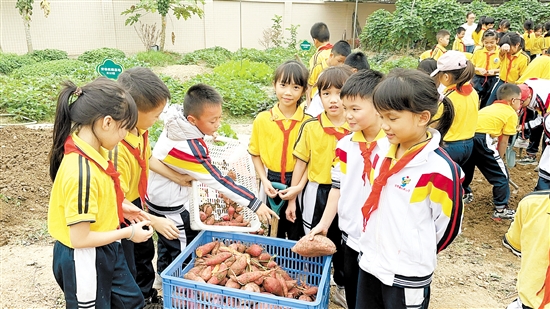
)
(341, 48)
(469, 13)
(361, 84)
(511, 38)
(490, 33)
(145, 87)
(538, 27)
(504, 23)
(528, 25)
(427, 65)
(461, 76)
(479, 24)
(547, 26)
(83, 106)
(441, 34)
(507, 91)
(319, 31)
(197, 97)
(413, 91)
(292, 71)
(333, 77)
(460, 29)
(357, 60)
(488, 21)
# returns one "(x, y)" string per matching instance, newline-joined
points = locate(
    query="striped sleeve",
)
(302, 148)
(199, 166)
(81, 195)
(339, 165)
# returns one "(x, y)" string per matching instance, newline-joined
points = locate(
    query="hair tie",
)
(78, 91)
(75, 95)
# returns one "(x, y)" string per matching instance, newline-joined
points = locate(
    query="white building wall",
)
(80, 25)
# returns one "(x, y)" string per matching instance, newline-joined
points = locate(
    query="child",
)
(357, 61)
(487, 64)
(352, 173)
(320, 34)
(495, 122)
(454, 72)
(503, 28)
(458, 44)
(338, 54)
(528, 237)
(414, 209)
(483, 25)
(181, 147)
(443, 37)
(314, 150)
(131, 158)
(86, 199)
(513, 62)
(528, 36)
(546, 50)
(538, 68)
(537, 42)
(543, 182)
(280, 127)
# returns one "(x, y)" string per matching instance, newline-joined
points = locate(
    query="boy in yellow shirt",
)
(487, 66)
(443, 37)
(321, 35)
(458, 44)
(538, 42)
(498, 120)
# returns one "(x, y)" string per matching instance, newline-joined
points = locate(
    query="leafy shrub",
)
(377, 30)
(96, 56)
(75, 69)
(273, 57)
(211, 57)
(255, 72)
(177, 89)
(10, 62)
(48, 55)
(406, 62)
(158, 58)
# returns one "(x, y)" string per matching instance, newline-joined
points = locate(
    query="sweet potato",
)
(205, 249)
(271, 264)
(319, 246)
(206, 273)
(290, 284)
(312, 290)
(210, 220)
(264, 257)
(238, 218)
(216, 249)
(251, 287)
(254, 250)
(273, 286)
(202, 216)
(293, 292)
(208, 209)
(230, 211)
(284, 274)
(226, 218)
(238, 209)
(305, 298)
(232, 284)
(238, 267)
(283, 284)
(217, 259)
(250, 277)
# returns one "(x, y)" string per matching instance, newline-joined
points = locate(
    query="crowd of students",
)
(379, 164)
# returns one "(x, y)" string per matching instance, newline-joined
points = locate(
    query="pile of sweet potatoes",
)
(233, 215)
(248, 268)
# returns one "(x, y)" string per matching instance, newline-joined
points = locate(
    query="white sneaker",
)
(339, 297)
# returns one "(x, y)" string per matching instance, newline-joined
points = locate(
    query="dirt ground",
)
(474, 272)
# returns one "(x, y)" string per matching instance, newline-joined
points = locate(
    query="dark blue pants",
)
(287, 229)
(470, 48)
(373, 294)
(490, 164)
(115, 286)
(460, 151)
(534, 140)
(351, 274)
(543, 183)
(493, 95)
(483, 85)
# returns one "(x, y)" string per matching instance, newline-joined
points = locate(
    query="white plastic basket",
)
(232, 155)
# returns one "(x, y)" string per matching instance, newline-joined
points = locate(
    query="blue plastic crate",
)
(182, 293)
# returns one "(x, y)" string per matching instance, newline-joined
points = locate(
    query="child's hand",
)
(265, 213)
(318, 229)
(482, 71)
(165, 226)
(133, 214)
(184, 180)
(140, 234)
(291, 210)
(505, 48)
(289, 193)
(269, 190)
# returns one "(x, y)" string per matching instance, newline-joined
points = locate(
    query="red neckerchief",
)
(371, 204)
(70, 147)
(286, 135)
(365, 153)
(325, 47)
(333, 131)
(487, 62)
(546, 287)
(463, 46)
(509, 66)
(464, 90)
(140, 157)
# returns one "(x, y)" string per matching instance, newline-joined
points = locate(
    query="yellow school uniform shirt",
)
(438, 51)
(477, 36)
(466, 107)
(529, 233)
(513, 66)
(82, 192)
(546, 43)
(425, 55)
(458, 44)
(317, 64)
(538, 68)
(497, 119)
(316, 147)
(538, 45)
(267, 138)
(488, 60)
(528, 39)
(392, 151)
(128, 166)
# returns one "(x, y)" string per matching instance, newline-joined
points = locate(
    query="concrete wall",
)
(80, 25)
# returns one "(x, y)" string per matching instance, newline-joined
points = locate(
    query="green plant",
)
(406, 62)
(177, 89)
(154, 132)
(25, 8)
(75, 69)
(48, 55)
(96, 56)
(211, 57)
(158, 58)
(255, 72)
(273, 37)
(10, 62)
(226, 130)
(377, 30)
(293, 41)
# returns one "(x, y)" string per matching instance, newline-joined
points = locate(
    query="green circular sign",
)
(305, 45)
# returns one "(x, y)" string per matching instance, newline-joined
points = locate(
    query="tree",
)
(25, 10)
(180, 8)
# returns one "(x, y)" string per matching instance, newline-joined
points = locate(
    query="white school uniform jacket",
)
(419, 214)
(540, 100)
(544, 162)
(180, 147)
(347, 175)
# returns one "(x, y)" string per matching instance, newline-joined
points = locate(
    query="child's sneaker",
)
(506, 244)
(468, 198)
(504, 214)
(528, 159)
(339, 297)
